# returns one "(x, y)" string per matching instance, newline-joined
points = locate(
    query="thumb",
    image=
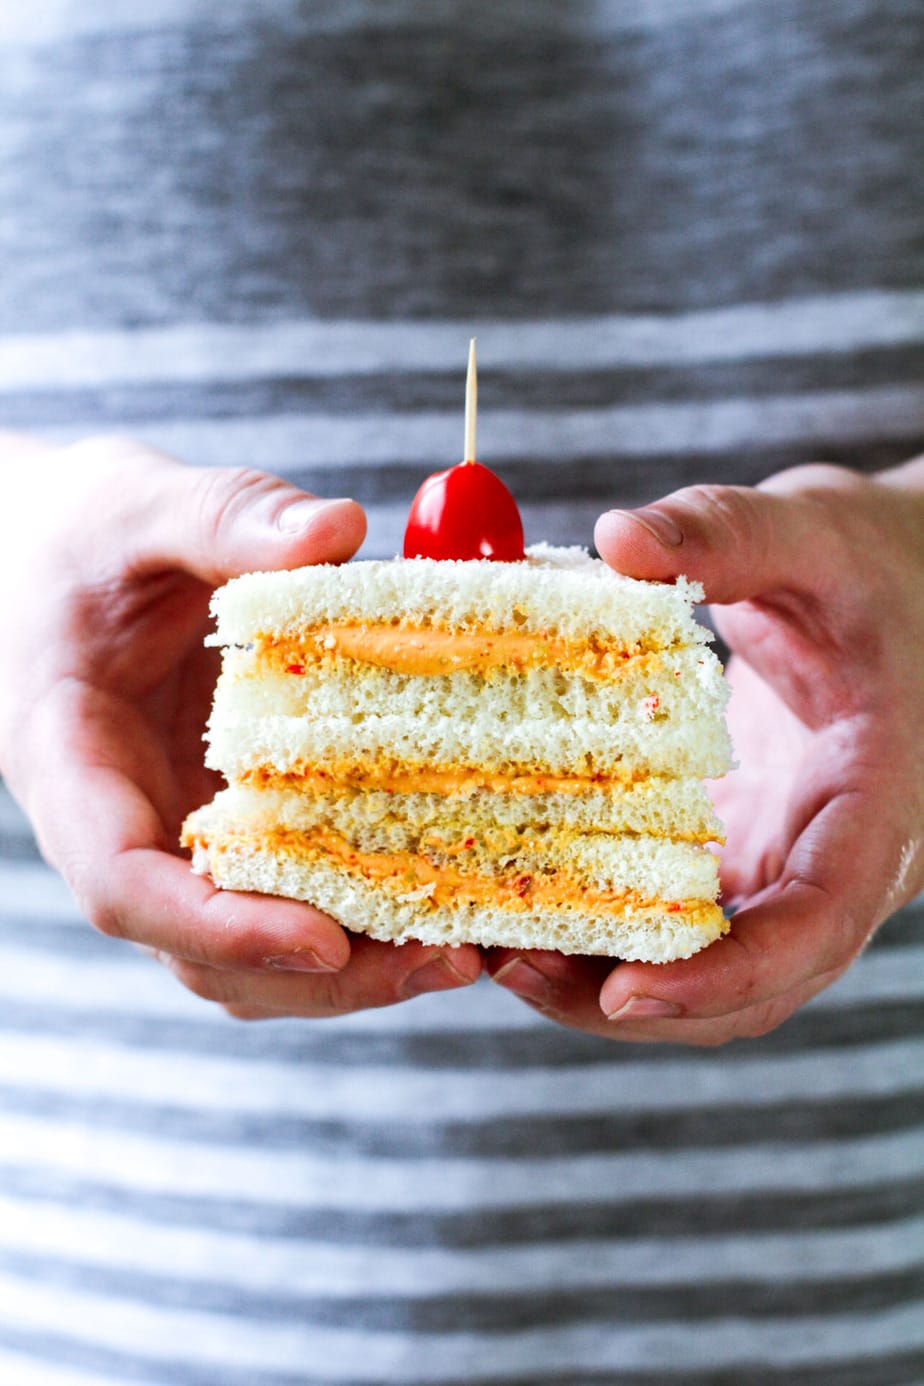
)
(739, 542)
(217, 523)
(214, 523)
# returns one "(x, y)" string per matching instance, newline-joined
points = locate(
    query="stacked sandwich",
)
(504, 753)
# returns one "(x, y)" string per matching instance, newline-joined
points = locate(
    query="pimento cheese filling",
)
(445, 885)
(396, 778)
(429, 651)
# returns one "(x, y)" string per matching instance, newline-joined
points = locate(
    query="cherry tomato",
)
(465, 512)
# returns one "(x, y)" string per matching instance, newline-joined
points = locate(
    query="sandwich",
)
(463, 750)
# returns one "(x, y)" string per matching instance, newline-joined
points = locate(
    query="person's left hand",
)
(818, 577)
(109, 552)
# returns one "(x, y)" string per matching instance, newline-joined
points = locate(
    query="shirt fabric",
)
(689, 241)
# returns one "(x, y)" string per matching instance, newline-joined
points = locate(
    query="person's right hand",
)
(108, 554)
(817, 576)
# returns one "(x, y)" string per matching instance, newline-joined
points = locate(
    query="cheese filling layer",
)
(413, 877)
(432, 650)
(396, 778)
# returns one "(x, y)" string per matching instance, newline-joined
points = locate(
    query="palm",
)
(141, 706)
(756, 801)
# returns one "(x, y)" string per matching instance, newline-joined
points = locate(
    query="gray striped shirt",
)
(689, 240)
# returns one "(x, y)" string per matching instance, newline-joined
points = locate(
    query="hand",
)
(817, 581)
(108, 554)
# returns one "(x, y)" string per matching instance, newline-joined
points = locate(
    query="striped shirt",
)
(688, 239)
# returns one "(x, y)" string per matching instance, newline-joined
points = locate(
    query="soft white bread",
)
(669, 721)
(643, 929)
(395, 743)
(655, 689)
(465, 835)
(560, 591)
(375, 819)
(641, 933)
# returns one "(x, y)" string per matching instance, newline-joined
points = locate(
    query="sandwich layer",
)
(664, 718)
(684, 681)
(394, 907)
(381, 749)
(553, 592)
(409, 777)
(656, 807)
(483, 834)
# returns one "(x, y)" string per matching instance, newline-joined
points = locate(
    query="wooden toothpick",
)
(471, 404)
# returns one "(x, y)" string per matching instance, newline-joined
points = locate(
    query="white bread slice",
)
(660, 894)
(395, 742)
(666, 717)
(557, 591)
(641, 932)
(686, 683)
(468, 834)
(657, 808)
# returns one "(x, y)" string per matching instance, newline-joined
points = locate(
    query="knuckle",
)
(837, 930)
(224, 935)
(763, 1019)
(240, 946)
(327, 996)
(749, 1022)
(744, 972)
(825, 495)
(732, 510)
(106, 892)
(223, 493)
(821, 479)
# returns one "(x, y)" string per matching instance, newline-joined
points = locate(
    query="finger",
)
(740, 542)
(566, 990)
(239, 521)
(751, 1022)
(378, 974)
(99, 828)
(809, 924)
(847, 869)
(217, 522)
(152, 898)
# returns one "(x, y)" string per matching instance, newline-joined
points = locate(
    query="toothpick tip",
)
(471, 403)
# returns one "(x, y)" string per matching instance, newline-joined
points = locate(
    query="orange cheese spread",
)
(443, 885)
(429, 651)
(396, 778)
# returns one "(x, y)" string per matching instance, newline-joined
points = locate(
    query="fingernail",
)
(524, 981)
(436, 975)
(300, 514)
(645, 1008)
(660, 525)
(304, 960)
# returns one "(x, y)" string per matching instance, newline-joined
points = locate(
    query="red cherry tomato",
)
(465, 512)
